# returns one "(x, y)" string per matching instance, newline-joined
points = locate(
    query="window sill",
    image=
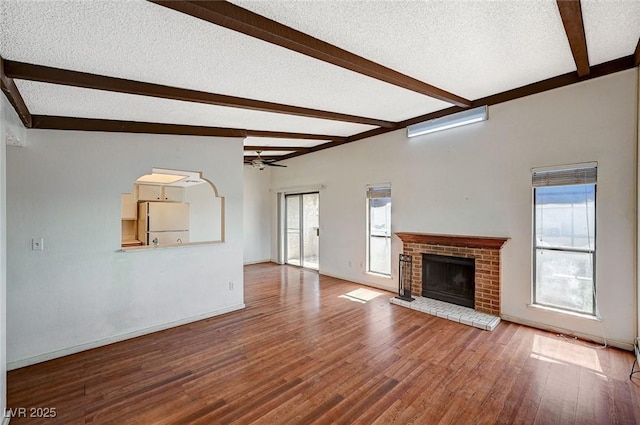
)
(385, 276)
(566, 312)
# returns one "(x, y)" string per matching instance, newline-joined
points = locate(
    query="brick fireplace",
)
(485, 251)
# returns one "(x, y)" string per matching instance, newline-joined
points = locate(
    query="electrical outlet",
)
(37, 244)
(231, 286)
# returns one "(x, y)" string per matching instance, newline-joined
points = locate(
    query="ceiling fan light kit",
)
(458, 119)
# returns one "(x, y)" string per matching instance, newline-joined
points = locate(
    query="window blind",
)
(379, 192)
(581, 175)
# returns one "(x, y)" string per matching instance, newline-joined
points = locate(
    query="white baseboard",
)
(622, 344)
(117, 338)
(248, 263)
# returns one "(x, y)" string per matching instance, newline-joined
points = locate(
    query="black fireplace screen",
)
(450, 279)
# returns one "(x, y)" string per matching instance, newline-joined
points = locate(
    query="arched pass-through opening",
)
(171, 208)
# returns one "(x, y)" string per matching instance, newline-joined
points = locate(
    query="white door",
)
(302, 234)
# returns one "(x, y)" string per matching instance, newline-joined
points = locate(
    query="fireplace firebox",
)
(449, 279)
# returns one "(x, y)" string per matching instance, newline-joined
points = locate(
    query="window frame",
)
(562, 182)
(369, 197)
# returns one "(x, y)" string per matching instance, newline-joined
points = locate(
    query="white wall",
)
(81, 291)
(476, 180)
(257, 215)
(10, 125)
(205, 213)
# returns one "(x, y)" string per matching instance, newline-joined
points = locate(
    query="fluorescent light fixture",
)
(449, 121)
(160, 178)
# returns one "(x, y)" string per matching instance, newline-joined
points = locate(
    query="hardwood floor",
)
(304, 352)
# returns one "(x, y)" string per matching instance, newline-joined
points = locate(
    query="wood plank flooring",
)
(303, 352)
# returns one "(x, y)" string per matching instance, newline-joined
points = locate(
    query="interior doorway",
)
(302, 235)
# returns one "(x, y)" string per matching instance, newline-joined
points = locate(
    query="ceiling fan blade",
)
(274, 165)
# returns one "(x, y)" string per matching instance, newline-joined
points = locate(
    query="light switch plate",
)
(37, 244)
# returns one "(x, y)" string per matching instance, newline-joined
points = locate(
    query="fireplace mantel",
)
(453, 240)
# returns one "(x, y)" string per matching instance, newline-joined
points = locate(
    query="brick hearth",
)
(485, 250)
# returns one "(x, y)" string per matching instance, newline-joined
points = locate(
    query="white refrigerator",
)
(163, 223)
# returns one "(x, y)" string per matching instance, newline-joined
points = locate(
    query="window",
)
(565, 239)
(379, 230)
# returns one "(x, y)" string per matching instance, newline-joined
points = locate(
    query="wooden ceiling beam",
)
(45, 74)
(277, 148)
(289, 135)
(10, 90)
(50, 122)
(235, 18)
(600, 70)
(252, 157)
(571, 14)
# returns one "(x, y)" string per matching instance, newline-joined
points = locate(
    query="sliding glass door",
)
(303, 229)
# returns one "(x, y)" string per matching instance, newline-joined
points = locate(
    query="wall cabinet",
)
(128, 206)
(173, 193)
(148, 192)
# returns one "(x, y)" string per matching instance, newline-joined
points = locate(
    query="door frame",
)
(282, 224)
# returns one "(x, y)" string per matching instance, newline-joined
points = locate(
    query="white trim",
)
(6, 421)
(281, 226)
(586, 316)
(266, 260)
(380, 275)
(299, 189)
(386, 184)
(117, 338)
(623, 344)
(636, 222)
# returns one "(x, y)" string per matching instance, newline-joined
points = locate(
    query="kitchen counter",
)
(131, 242)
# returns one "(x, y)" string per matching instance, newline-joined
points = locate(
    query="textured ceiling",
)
(472, 49)
(86, 103)
(612, 28)
(142, 41)
(264, 141)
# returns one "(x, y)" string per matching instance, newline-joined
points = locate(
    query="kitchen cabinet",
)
(149, 192)
(173, 193)
(129, 213)
(128, 207)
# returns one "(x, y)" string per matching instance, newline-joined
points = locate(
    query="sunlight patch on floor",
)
(361, 295)
(561, 351)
